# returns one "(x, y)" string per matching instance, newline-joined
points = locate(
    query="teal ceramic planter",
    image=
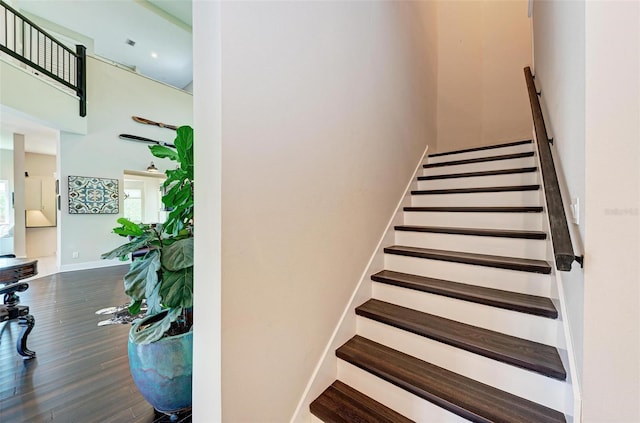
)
(162, 370)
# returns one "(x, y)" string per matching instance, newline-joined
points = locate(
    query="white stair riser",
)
(523, 148)
(508, 247)
(403, 402)
(509, 198)
(522, 221)
(490, 277)
(515, 380)
(526, 178)
(522, 325)
(481, 166)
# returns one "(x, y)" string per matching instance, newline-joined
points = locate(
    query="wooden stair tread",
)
(483, 173)
(513, 263)
(501, 209)
(519, 352)
(484, 147)
(340, 403)
(524, 303)
(500, 233)
(477, 190)
(480, 160)
(461, 395)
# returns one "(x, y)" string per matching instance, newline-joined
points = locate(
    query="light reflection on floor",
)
(46, 266)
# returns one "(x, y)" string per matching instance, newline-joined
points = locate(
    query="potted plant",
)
(160, 343)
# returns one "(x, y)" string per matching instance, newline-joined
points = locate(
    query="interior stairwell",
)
(463, 323)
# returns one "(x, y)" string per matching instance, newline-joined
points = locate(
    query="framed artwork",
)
(89, 195)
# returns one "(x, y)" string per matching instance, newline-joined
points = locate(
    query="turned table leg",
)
(27, 322)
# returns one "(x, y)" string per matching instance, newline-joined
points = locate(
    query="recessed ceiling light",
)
(154, 54)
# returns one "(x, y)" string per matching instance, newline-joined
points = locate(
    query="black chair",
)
(12, 310)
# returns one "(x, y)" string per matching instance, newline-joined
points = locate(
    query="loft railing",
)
(25, 41)
(560, 236)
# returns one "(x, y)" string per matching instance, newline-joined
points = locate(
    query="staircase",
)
(461, 325)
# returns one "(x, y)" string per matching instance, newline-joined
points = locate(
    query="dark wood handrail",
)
(560, 236)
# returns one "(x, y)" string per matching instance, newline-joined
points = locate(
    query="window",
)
(133, 204)
(5, 202)
(142, 197)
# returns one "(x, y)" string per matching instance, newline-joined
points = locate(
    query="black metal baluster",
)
(53, 59)
(26, 43)
(81, 74)
(44, 51)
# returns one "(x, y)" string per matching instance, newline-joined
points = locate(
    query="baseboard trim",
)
(575, 403)
(87, 265)
(567, 352)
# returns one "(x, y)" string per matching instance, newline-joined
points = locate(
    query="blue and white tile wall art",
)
(88, 195)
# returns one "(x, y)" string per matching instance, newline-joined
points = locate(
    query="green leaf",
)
(134, 307)
(144, 333)
(183, 194)
(176, 288)
(178, 255)
(174, 175)
(179, 217)
(128, 228)
(142, 277)
(184, 138)
(154, 301)
(128, 248)
(184, 146)
(163, 152)
(168, 199)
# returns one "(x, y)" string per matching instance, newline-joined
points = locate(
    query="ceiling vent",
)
(130, 42)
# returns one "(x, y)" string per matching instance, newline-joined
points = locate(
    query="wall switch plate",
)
(75, 255)
(575, 210)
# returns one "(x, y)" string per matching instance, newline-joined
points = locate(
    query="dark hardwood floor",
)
(81, 371)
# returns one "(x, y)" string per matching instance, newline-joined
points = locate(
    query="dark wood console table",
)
(12, 270)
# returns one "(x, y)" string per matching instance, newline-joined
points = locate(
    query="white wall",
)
(611, 369)
(482, 48)
(19, 238)
(587, 64)
(327, 106)
(6, 173)
(207, 99)
(558, 32)
(114, 96)
(30, 95)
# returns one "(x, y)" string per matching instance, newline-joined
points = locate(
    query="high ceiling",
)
(161, 30)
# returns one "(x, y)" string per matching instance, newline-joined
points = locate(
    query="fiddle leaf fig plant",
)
(163, 277)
